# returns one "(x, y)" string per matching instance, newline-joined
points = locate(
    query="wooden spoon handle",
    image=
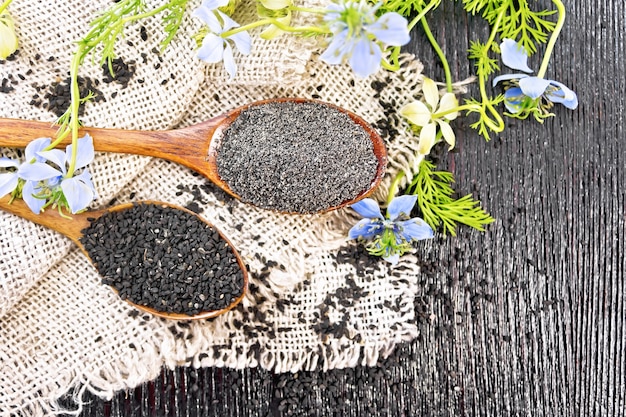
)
(50, 218)
(187, 146)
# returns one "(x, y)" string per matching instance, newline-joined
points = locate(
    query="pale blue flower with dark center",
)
(358, 34)
(390, 236)
(216, 47)
(527, 93)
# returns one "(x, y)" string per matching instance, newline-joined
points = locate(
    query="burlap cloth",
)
(315, 300)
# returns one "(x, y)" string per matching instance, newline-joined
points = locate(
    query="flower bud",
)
(8, 38)
(230, 8)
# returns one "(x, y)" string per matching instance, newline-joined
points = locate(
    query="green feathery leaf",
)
(172, 20)
(437, 205)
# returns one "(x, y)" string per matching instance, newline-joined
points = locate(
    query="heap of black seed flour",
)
(164, 258)
(296, 157)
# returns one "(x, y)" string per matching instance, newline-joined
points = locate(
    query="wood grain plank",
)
(526, 319)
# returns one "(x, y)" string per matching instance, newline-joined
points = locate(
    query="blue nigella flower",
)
(10, 180)
(391, 236)
(528, 91)
(216, 48)
(78, 190)
(357, 34)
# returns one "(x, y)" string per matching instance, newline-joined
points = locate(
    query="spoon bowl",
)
(74, 227)
(195, 147)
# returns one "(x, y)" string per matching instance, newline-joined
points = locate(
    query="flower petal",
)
(77, 193)
(431, 93)
(8, 182)
(208, 17)
(365, 229)
(367, 208)
(448, 102)
(243, 42)
(229, 61)
(338, 48)
(56, 156)
(562, 95)
(28, 195)
(391, 29)
(534, 87)
(506, 77)
(8, 37)
(214, 4)
(392, 259)
(428, 135)
(37, 171)
(401, 205)
(513, 98)
(212, 49)
(415, 229)
(365, 59)
(514, 55)
(448, 133)
(228, 22)
(276, 4)
(34, 147)
(84, 151)
(9, 163)
(85, 177)
(416, 113)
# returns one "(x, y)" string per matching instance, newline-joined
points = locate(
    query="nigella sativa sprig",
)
(530, 95)
(218, 35)
(43, 179)
(357, 35)
(390, 236)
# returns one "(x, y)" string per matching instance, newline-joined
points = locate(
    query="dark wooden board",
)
(523, 320)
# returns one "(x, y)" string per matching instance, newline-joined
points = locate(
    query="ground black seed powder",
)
(164, 258)
(296, 157)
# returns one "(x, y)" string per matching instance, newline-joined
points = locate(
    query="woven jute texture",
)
(315, 301)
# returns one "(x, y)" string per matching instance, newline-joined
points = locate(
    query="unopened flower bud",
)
(8, 38)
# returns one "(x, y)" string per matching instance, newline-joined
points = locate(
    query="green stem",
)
(553, 37)
(92, 43)
(423, 13)
(5, 5)
(393, 188)
(440, 54)
(498, 125)
(84, 48)
(75, 106)
(469, 106)
(278, 24)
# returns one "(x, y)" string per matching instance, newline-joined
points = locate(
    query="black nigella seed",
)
(296, 157)
(122, 71)
(176, 272)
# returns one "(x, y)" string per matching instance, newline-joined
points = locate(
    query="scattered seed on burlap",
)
(57, 97)
(122, 71)
(164, 258)
(6, 86)
(296, 157)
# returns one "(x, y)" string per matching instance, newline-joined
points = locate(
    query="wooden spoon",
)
(73, 228)
(195, 147)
